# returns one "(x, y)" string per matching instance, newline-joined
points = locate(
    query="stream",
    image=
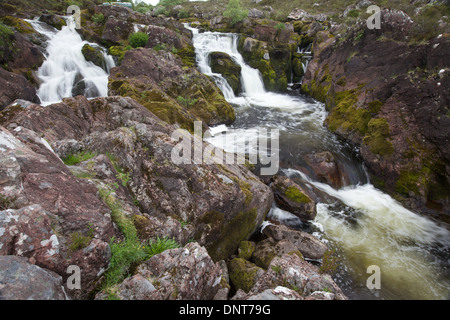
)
(366, 226)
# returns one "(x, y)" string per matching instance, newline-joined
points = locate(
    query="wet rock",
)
(53, 20)
(326, 169)
(21, 280)
(293, 198)
(230, 70)
(278, 293)
(94, 55)
(308, 245)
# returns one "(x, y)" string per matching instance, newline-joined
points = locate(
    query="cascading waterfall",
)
(367, 225)
(65, 70)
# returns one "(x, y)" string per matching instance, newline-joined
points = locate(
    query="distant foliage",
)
(235, 12)
(98, 18)
(138, 39)
(171, 2)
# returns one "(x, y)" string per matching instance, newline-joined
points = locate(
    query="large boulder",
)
(14, 86)
(309, 246)
(222, 63)
(294, 198)
(116, 30)
(21, 280)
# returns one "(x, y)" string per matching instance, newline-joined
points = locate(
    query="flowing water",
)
(366, 226)
(65, 72)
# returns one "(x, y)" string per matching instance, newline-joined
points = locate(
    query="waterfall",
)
(65, 72)
(208, 42)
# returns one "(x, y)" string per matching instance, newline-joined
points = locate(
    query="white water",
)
(369, 226)
(65, 65)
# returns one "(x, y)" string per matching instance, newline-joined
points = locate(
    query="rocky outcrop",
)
(94, 55)
(217, 205)
(387, 96)
(21, 280)
(175, 94)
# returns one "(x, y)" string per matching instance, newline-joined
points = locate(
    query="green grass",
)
(74, 159)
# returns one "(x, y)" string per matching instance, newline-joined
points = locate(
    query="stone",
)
(21, 280)
(14, 86)
(186, 273)
(308, 245)
(244, 274)
(293, 198)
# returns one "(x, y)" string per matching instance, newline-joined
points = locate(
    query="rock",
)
(134, 288)
(14, 86)
(53, 20)
(187, 273)
(327, 170)
(268, 249)
(255, 13)
(308, 245)
(21, 280)
(278, 293)
(244, 274)
(72, 224)
(302, 15)
(373, 116)
(94, 55)
(173, 93)
(161, 35)
(217, 205)
(292, 272)
(293, 198)
(222, 63)
(116, 30)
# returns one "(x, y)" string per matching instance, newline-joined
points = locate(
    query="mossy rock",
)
(94, 55)
(232, 233)
(6, 44)
(246, 249)
(20, 25)
(222, 63)
(244, 274)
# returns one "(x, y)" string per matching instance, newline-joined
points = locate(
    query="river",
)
(366, 226)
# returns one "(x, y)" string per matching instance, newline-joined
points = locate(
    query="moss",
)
(119, 52)
(246, 249)
(243, 274)
(375, 106)
(187, 55)
(245, 188)
(407, 182)
(293, 194)
(377, 137)
(80, 241)
(19, 24)
(231, 234)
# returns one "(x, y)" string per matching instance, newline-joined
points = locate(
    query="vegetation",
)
(138, 39)
(74, 159)
(7, 203)
(235, 12)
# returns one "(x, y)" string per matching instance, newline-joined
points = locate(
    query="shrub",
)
(98, 18)
(138, 39)
(235, 12)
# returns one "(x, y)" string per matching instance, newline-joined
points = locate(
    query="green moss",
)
(407, 182)
(119, 51)
(187, 55)
(79, 157)
(293, 194)
(19, 24)
(375, 106)
(79, 241)
(231, 234)
(377, 137)
(243, 274)
(246, 249)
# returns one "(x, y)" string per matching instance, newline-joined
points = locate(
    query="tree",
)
(235, 12)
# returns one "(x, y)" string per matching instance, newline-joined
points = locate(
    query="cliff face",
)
(390, 97)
